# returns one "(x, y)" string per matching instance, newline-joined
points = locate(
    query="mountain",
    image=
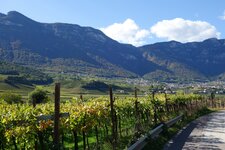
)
(195, 60)
(74, 48)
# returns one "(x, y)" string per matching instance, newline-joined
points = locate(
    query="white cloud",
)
(184, 30)
(127, 32)
(223, 16)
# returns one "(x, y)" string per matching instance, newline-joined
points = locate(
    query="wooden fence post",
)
(166, 102)
(113, 118)
(84, 123)
(35, 143)
(196, 103)
(137, 116)
(56, 117)
(155, 111)
(136, 104)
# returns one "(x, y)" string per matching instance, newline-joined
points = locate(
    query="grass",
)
(69, 143)
(20, 89)
(3, 77)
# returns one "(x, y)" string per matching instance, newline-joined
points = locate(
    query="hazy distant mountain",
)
(68, 48)
(196, 59)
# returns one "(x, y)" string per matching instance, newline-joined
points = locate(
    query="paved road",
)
(205, 133)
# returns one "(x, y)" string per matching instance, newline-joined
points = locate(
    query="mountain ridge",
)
(60, 40)
(207, 57)
(63, 47)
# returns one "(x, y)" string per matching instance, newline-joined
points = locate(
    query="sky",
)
(136, 22)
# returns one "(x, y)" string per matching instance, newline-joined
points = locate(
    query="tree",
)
(38, 96)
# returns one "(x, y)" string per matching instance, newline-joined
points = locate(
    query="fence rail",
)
(51, 117)
(174, 120)
(140, 144)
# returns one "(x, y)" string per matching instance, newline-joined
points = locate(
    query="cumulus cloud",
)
(127, 32)
(223, 16)
(184, 30)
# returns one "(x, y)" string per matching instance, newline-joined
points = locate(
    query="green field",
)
(70, 87)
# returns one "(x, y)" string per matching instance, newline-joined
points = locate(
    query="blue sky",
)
(132, 21)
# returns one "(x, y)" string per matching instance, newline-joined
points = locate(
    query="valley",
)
(71, 86)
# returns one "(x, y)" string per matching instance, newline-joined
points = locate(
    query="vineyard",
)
(109, 122)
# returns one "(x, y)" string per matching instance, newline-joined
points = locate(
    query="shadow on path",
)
(182, 137)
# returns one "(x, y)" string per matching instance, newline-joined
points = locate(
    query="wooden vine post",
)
(212, 96)
(136, 103)
(137, 125)
(114, 134)
(166, 101)
(56, 117)
(35, 143)
(155, 111)
(84, 123)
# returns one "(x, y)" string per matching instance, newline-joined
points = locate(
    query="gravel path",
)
(205, 133)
